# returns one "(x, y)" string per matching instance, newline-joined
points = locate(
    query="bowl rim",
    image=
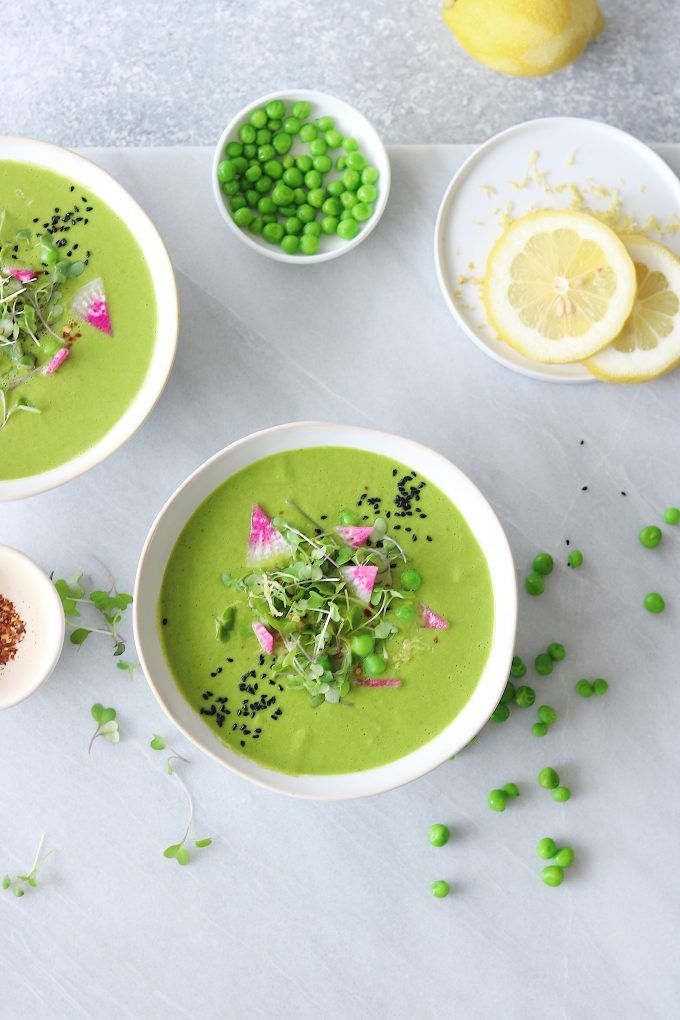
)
(491, 688)
(39, 579)
(270, 251)
(167, 328)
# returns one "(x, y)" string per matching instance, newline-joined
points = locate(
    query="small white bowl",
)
(442, 473)
(351, 123)
(36, 601)
(93, 178)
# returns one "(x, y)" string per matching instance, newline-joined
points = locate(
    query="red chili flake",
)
(12, 630)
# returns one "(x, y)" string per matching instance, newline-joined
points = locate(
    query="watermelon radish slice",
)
(89, 304)
(366, 682)
(264, 541)
(360, 580)
(58, 359)
(264, 637)
(19, 273)
(432, 620)
(353, 536)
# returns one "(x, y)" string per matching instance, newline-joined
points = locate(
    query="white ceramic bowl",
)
(93, 178)
(481, 519)
(351, 123)
(36, 601)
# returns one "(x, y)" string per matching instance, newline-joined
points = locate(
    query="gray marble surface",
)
(137, 72)
(307, 910)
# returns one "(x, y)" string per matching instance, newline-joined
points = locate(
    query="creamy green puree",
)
(438, 669)
(88, 394)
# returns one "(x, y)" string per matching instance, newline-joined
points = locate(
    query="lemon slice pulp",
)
(649, 343)
(559, 286)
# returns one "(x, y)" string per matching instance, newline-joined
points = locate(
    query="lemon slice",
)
(649, 343)
(559, 286)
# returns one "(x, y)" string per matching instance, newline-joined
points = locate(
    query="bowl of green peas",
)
(301, 176)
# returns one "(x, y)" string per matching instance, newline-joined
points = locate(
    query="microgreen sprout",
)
(109, 604)
(19, 883)
(127, 667)
(107, 726)
(178, 851)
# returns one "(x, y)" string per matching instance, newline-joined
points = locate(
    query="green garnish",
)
(178, 851)
(18, 883)
(107, 726)
(224, 624)
(110, 604)
(127, 667)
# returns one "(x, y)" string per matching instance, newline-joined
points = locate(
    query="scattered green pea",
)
(440, 889)
(542, 564)
(547, 715)
(291, 125)
(497, 800)
(500, 714)
(367, 193)
(584, 688)
(564, 857)
(272, 232)
(600, 686)
(547, 848)
(534, 584)
(561, 794)
(511, 789)
(243, 217)
(374, 664)
(552, 875)
(333, 138)
(329, 224)
(275, 109)
(539, 729)
(654, 603)
(350, 144)
(348, 519)
(290, 244)
(348, 229)
(411, 579)
(575, 558)
(556, 651)
(650, 536)
(672, 515)
(312, 228)
(301, 109)
(405, 611)
(509, 693)
(518, 668)
(362, 644)
(438, 835)
(543, 664)
(548, 778)
(308, 132)
(525, 696)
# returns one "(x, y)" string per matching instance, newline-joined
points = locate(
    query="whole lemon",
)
(527, 38)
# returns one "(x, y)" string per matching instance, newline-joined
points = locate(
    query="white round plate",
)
(442, 473)
(590, 155)
(93, 178)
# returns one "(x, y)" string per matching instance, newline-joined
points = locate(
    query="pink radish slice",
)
(58, 359)
(365, 682)
(354, 536)
(20, 274)
(432, 620)
(264, 637)
(264, 541)
(360, 580)
(89, 304)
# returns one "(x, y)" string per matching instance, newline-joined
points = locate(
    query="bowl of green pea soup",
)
(301, 176)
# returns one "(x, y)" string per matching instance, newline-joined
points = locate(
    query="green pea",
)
(273, 169)
(291, 125)
(351, 179)
(287, 210)
(247, 133)
(329, 224)
(561, 794)
(48, 345)
(331, 207)
(306, 213)
(266, 218)
(276, 108)
(600, 686)
(256, 225)
(335, 188)
(672, 515)
(288, 162)
(405, 611)
(253, 173)
(650, 536)
(341, 163)
(356, 160)
(309, 243)
(274, 124)
(313, 179)
(226, 171)
(539, 729)
(556, 651)
(249, 151)
(350, 144)
(547, 848)
(546, 714)
(237, 202)
(304, 163)
(370, 175)
(440, 889)
(348, 200)
(265, 205)
(575, 558)
(263, 137)
(497, 800)
(552, 875)
(282, 142)
(508, 694)
(243, 217)
(374, 664)
(346, 214)
(333, 138)
(548, 778)
(231, 187)
(517, 669)
(542, 563)
(241, 164)
(263, 184)
(312, 228)
(565, 857)
(654, 603)
(273, 232)
(300, 196)
(367, 193)
(362, 644)
(543, 664)
(234, 149)
(258, 118)
(500, 714)
(301, 109)
(282, 195)
(290, 244)
(584, 688)
(525, 697)
(511, 789)
(265, 153)
(362, 212)
(348, 229)
(308, 133)
(323, 164)
(438, 835)
(318, 147)
(293, 177)
(317, 196)
(293, 225)
(411, 579)
(534, 584)
(325, 123)
(348, 519)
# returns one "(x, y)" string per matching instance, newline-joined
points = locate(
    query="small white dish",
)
(93, 178)
(429, 464)
(569, 150)
(351, 123)
(37, 603)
